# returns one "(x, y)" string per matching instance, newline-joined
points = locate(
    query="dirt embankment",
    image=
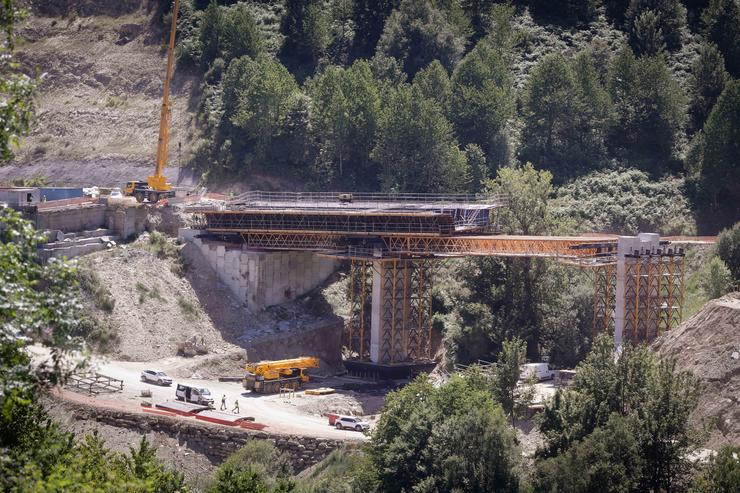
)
(158, 306)
(154, 307)
(102, 67)
(708, 344)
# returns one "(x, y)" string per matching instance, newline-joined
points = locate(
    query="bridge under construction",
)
(393, 241)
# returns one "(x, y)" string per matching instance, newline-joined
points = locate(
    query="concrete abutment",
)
(261, 279)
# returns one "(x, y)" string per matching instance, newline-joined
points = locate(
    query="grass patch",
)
(98, 333)
(163, 248)
(91, 284)
(115, 102)
(188, 309)
(146, 293)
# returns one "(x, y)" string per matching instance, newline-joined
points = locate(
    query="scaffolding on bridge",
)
(393, 240)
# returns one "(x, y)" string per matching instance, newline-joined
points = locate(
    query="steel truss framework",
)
(357, 329)
(605, 280)
(503, 245)
(405, 318)
(654, 291)
(654, 283)
(564, 247)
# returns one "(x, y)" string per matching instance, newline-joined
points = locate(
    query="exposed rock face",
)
(708, 344)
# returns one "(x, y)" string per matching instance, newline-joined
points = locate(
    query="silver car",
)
(351, 423)
(155, 376)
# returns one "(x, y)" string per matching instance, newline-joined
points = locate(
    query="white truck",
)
(538, 371)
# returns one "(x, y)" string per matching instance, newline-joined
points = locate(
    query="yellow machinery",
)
(156, 186)
(271, 376)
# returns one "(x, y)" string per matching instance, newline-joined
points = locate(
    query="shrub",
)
(91, 284)
(626, 202)
(717, 279)
(728, 249)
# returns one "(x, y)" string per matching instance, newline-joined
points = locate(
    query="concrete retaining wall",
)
(261, 279)
(68, 220)
(217, 442)
(124, 221)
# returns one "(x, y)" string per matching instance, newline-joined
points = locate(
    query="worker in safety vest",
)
(236, 407)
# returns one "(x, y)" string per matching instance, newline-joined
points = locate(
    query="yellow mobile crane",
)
(270, 376)
(156, 186)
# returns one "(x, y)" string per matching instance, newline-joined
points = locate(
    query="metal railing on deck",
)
(350, 199)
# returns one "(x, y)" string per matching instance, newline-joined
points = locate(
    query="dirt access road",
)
(280, 414)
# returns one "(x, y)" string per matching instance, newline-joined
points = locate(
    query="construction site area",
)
(211, 318)
(255, 268)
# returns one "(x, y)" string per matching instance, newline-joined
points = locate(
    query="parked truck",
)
(271, 376)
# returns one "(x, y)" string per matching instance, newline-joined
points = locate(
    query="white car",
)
(538, 371)
(155, 376)
(348, 422)
(115, 193)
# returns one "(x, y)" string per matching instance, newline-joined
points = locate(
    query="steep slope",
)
(99, 100)
(708, 344)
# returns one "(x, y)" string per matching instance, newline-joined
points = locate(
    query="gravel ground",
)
(708, 344)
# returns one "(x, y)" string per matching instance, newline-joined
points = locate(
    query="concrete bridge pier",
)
(649, 288)
(391, 310)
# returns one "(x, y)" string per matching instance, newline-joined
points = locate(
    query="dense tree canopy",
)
(448, 438)
(416, 148)
(482, 101)
(345, 111)
(649, 107)
(721, 21)
(708, 80)
(567, 113)
(720, 154)
(656, 400)
(668, 18)
(417, 33)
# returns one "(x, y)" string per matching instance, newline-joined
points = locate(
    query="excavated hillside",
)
(102, 67)
(708, 344)
(162, 297)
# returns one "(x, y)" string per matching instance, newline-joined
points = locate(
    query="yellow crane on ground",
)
(271, 376)
(156, 186)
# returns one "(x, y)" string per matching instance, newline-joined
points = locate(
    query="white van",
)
(538, 371)
(197, 395)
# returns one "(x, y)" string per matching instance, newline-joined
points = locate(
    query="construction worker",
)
(236, 407)
(223, 403)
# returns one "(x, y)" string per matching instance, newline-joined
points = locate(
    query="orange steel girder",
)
(501, 245)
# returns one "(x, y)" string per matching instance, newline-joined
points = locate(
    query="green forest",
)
(437, 96)
(591, 115)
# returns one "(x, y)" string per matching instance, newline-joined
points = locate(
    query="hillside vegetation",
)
(436, 96)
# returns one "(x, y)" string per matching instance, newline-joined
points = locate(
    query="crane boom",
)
(266, 367)
(157, 181)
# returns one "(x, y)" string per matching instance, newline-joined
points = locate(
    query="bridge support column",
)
(649, 288)
(399, 311)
